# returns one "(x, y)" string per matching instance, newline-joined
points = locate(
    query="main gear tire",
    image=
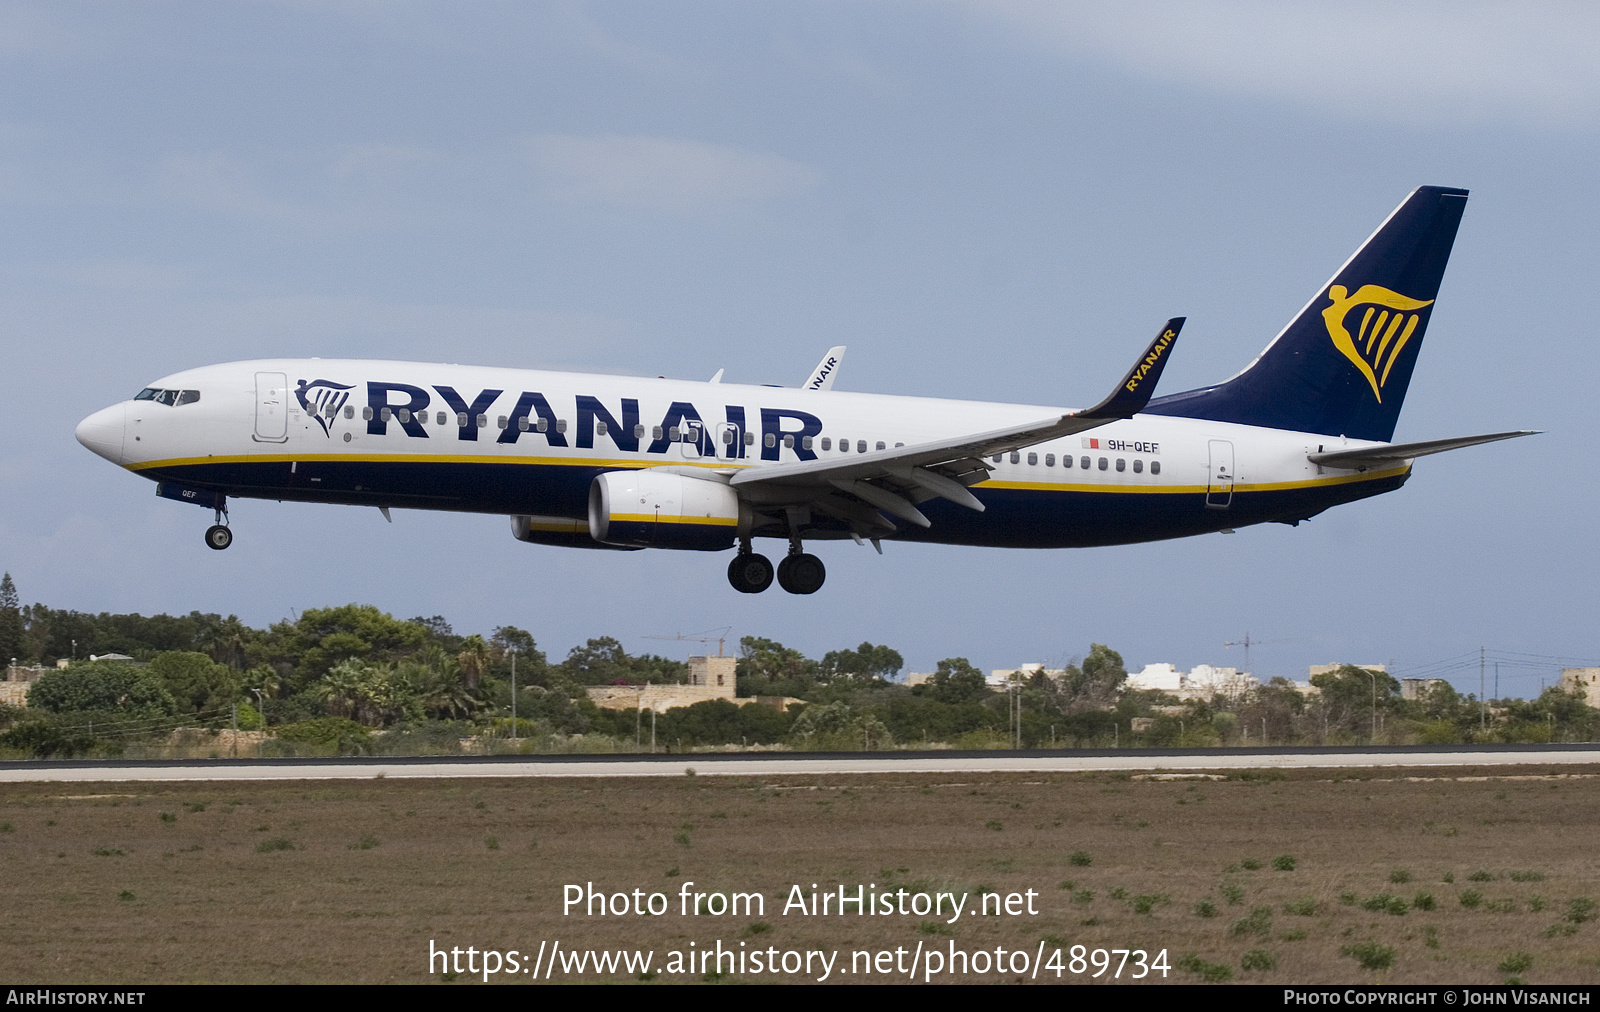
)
(750, 573)
(801, 574)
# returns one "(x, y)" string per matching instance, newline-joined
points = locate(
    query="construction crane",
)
(720, 635)
(1247, 643)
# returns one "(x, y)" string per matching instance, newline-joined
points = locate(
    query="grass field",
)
(1362, 876)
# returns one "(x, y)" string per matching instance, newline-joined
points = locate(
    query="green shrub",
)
(1258, 923)
(1205, 908)
(1233, 894)
(1399, 876)
(126, 896)
(1471, 899)
(1082, 897)
(1370, 955)
(1480, 876)
(1145, 904)
(1580, 909)
(1394, 905)
(1258, 959)
(268, 846)
(1517, 962)
(1304, 907)
(333, 734)
(1211, 973)
(1080, 858)
(1527, 876)
(935, 928)
(1283, 862)
(1250, 864)
(1424, 901)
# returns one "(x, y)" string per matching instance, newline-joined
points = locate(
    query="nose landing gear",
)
(218, 537)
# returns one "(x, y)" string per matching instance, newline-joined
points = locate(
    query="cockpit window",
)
(171, 398)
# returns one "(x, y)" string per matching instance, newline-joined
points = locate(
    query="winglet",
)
(1133, 393)
(822, 376)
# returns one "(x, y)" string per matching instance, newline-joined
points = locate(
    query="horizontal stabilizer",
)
(1367, 457)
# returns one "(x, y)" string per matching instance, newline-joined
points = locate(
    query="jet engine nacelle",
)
(565, 532)
(656, 509)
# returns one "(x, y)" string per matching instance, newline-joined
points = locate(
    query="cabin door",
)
(1219, 485)
(272, 408)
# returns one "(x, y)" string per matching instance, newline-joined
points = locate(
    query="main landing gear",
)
(799, 573)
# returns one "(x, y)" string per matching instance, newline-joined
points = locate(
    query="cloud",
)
(660, 173)
(1408, 63)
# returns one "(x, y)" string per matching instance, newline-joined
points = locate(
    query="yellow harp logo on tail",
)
(1384, 329)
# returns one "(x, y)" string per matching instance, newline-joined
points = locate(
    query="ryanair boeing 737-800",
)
(590, 461)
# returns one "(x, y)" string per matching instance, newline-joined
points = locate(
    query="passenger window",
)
(1033, 460)
(1015, 456)
(1083, 462)
(405, 415)
(638, 430)
(995, 458)
(827, 443)
(366, 413)
(386, 414)
(1049, 460)
(1122, 465)
(349, 412)
(880, 445)
(769, 440)
(727, 437)
(600, 428)
(844, 446)
(674, 435)
(749, 439)
(861, 446)
(461, 419)
(187, 397)
(1102, 463)
(543, 425)
(440, 418)
(522, 423)
(501, 421)
(561, 424)
(483, 421)
(805, 442)
(1138, 466)
(1155, 467)
(655, 433)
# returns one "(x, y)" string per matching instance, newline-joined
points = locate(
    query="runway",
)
(768, 764)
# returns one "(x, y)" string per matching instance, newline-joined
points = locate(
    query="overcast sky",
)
(995, 201)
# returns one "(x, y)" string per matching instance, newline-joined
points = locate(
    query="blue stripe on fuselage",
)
(1014, 517)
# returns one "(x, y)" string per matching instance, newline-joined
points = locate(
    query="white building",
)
(1202, 682)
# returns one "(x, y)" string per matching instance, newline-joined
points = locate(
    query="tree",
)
(196, 682)
(109, 685)
(957, 681)
(865, 662)
(11, 627)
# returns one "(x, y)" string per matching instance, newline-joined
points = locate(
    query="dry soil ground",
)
(1470, 877)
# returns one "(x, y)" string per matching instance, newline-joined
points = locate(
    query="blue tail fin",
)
(1342, 366)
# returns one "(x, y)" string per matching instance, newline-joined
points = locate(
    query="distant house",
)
(1584, 680)
(1202, 682)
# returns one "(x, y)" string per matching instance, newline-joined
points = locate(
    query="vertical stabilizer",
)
(1342, 366)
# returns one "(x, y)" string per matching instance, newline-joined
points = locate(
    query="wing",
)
(855, 489)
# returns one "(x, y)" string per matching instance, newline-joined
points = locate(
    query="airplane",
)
(611, 462)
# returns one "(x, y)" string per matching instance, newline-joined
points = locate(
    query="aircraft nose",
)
(102, 432)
